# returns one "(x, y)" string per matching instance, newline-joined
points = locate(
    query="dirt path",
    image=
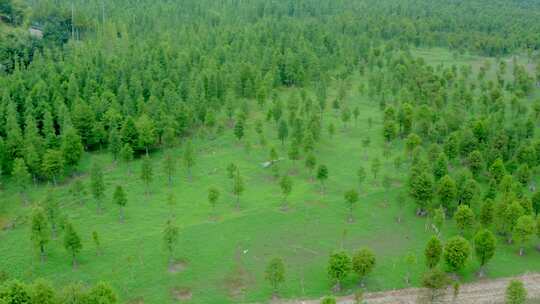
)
(482, 292)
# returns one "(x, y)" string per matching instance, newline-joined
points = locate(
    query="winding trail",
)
(480, 292)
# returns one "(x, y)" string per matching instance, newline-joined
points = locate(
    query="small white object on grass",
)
(246, 251)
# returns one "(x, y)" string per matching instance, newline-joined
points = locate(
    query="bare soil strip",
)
(480, 292)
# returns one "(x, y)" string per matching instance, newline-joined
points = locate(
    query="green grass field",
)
(223, 256)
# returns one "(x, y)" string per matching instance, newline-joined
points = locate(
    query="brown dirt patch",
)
(238, 279)
(181, 293)
(481, 292)
(138, 300)
(178, 266)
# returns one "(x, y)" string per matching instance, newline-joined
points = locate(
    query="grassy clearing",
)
(222, 255)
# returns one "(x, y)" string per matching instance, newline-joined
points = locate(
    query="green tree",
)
(169, 166)
(283, 131)
(53, 164)
(102, 293)
(239, 129)
(516, 293)
(147, 173)
(464, 218)
(523, 230)
(294, 152)
(475, 162)
(361, 174)
(310, 163)
(435, 280)
(375, 167)
(72, 147)
(339, 266)
(536, 202)
(213, 197)
(328, 300)
(421, 190)
(497, 170)
(286, 187)
(97, 243)
(363, 263)
(120, 199)
(40, 230)
(14, 292)
(351, 198)
(322, 176)
(21, 177)
(487, 213)
(411, 142)
(456, 253)
(170, 239)
(189, 158)
(97, 184)
(447, 192)
(238, 187)
(275, 274)
(52, 211)
(440, 168)
(72, 242)
(146, 132)
(484, 247)
(42, 292)
(126, 154)
(115, 143)
(433, 252)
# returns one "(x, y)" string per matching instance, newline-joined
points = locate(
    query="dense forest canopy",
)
(143, 57)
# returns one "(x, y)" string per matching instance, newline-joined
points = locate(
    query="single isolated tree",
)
(21, 177)
(464, 218)
(363, 263)
(523, 231)
(170, 239)
(311, 162)
(239, 129)
(72, 243)
(339, 267)
(433, 252)
(456, 253)
(484, 247)
(435, 280)
(146, 174)
(189, 159)
(40, 232)
(126, 155)
(361, 174)
(375, 167)
(97, 185)
(102, 293)
(275, 274)
(286, 187)
(351, 198)
(78, 191)
(283, 131)
(52, 211)
(322, 176)
(169, 167)
(213, 196)
(238, 187)
(516, 293)
(410, 260)
(120, 199)
(97, 243)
